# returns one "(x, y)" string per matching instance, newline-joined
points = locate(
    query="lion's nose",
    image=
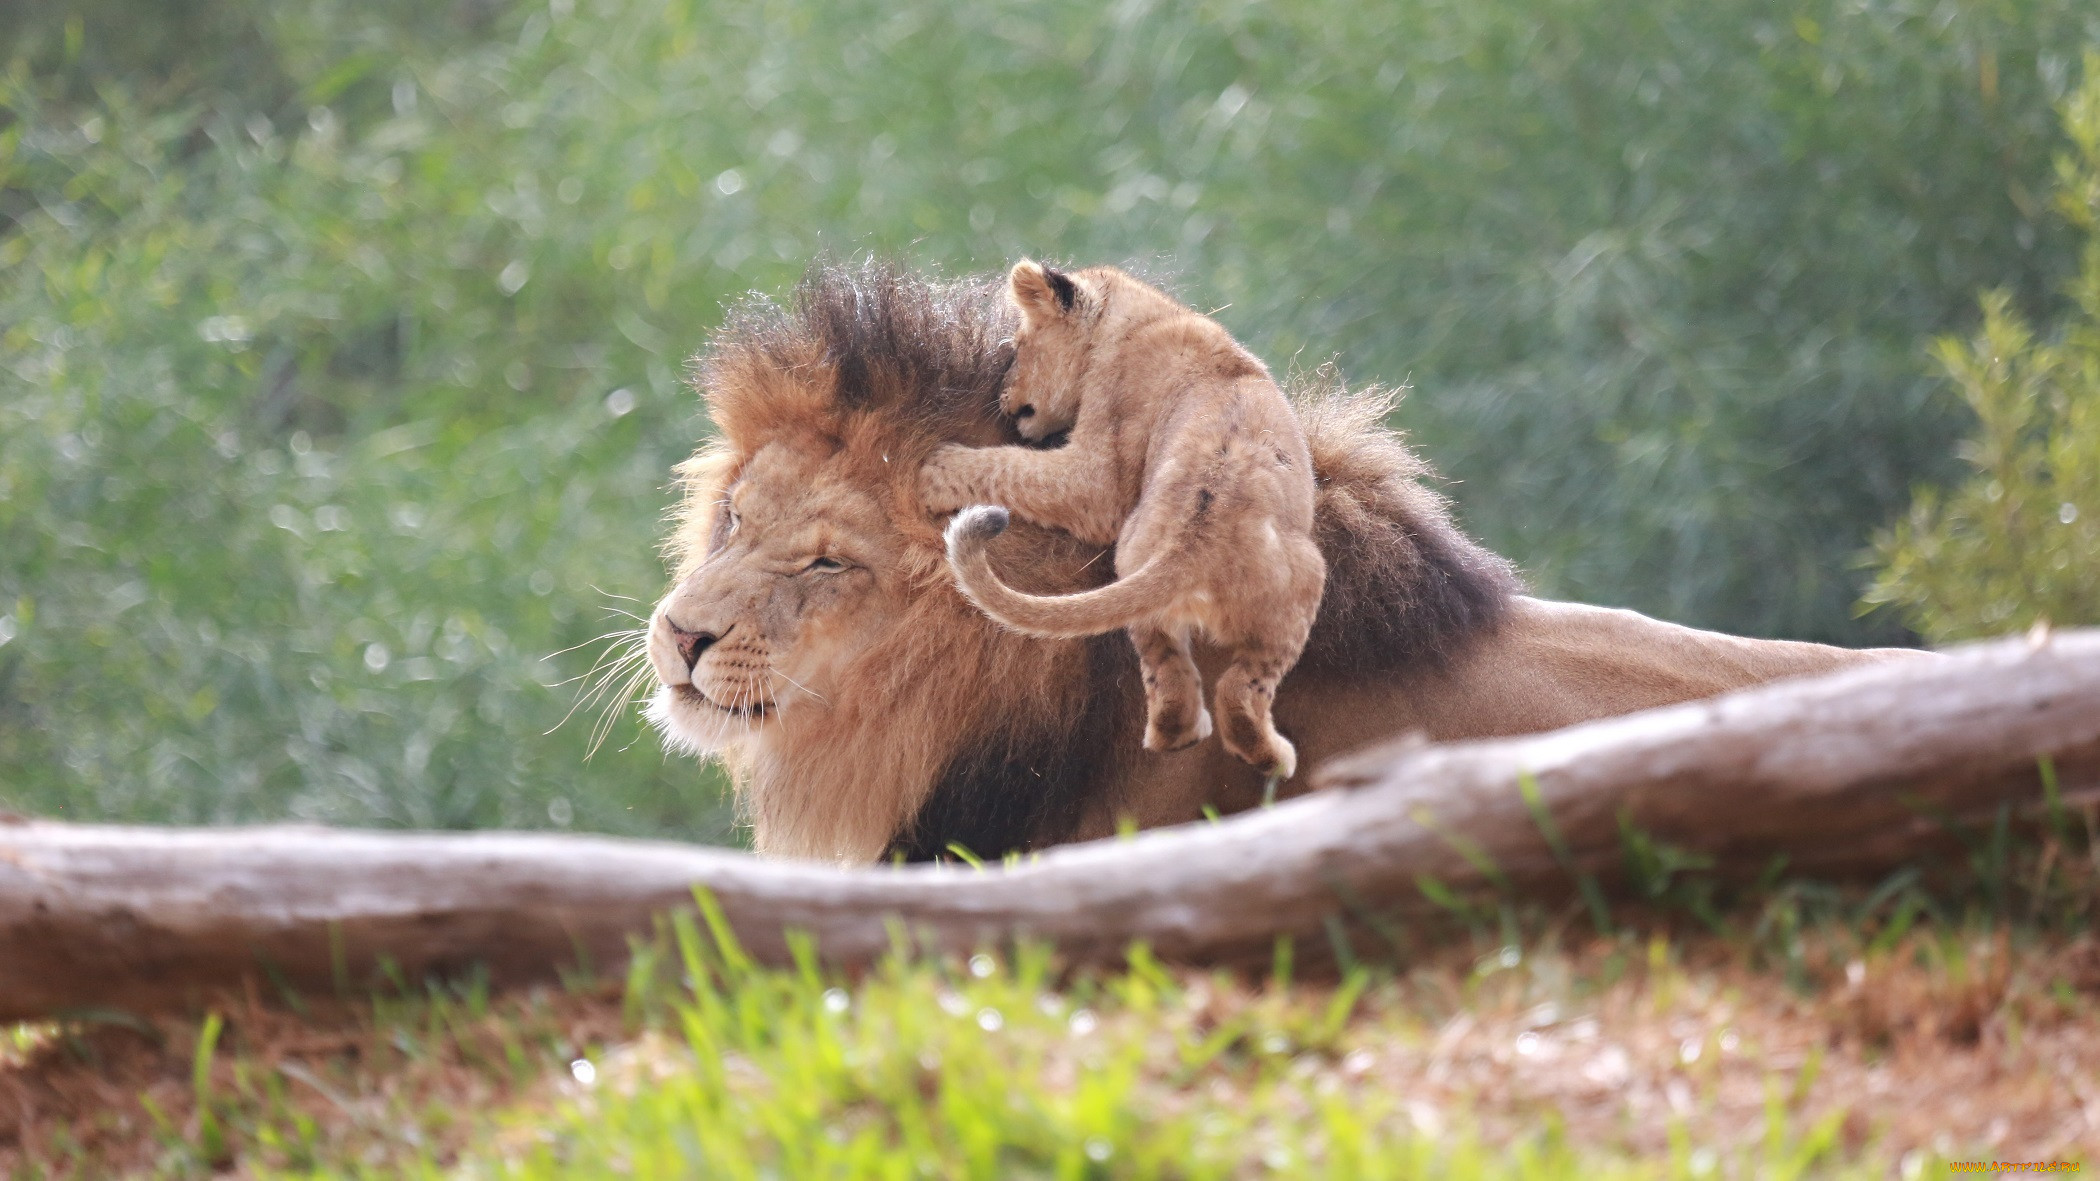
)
(690, 644)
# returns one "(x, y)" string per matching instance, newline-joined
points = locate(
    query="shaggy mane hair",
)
(1001, 741)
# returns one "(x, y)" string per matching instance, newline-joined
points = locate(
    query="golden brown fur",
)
(838, 698)
(1184, 456)
(869, 708)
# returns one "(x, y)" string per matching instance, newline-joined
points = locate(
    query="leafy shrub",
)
(333, 381)
(2020, 540)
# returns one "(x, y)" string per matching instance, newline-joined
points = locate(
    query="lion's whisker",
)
(622, 633)
(612, 669)
(615, 660)
(606, 665)
(626, 656)
(799, 685)
(630, 694)
(773, 707)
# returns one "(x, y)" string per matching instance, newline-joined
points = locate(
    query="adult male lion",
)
(813, 638)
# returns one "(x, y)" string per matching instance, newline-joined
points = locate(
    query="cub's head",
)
(1058, 313)
(1065, 318)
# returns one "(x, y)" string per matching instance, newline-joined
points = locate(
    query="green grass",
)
(1144, 1074)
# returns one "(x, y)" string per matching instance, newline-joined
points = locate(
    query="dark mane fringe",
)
(926, 354)
(1027, 787)
(920, 361)
(1405, 586)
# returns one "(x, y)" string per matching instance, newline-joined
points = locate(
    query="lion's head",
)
(812, 636)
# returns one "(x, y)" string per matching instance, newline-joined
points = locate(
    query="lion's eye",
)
(824, 566)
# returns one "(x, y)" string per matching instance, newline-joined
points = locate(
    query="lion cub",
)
(1183, 455)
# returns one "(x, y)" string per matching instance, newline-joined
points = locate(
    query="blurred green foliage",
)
(2019, 541)
(340, 343)
(306, 475)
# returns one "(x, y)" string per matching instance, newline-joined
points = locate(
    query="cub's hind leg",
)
(1247, 692)
(1174, 713)
(1270, 624)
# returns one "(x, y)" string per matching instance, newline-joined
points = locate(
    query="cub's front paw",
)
(944, 484)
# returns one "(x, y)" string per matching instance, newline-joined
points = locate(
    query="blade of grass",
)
(211, 1137)
(1586, 882)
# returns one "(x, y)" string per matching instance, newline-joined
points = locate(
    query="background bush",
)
(2019, 541)
(339, 343)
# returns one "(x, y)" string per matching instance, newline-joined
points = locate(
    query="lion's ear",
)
(1041, 292)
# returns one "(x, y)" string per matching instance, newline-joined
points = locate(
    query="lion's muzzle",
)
(673, 650)
(688, 644)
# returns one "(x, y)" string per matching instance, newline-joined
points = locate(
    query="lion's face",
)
(813, 636)
(800, 574)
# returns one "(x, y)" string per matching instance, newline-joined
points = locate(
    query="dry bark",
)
(1851, 773)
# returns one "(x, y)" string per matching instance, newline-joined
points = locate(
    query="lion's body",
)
(813, 638)
(1184, 456)
(1547, 665)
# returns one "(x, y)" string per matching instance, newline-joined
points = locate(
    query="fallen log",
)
(1844, 774)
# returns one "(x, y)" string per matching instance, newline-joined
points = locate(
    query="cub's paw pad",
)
(1271, 754)
(1177, 733)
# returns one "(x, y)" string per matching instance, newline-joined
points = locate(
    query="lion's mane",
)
(1021, 734)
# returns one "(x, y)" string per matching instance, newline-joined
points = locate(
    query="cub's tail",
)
(1135, 596)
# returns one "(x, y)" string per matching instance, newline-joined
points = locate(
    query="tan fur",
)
(852, 704)
(1548, 665)
(799, 694)
(1184, 455)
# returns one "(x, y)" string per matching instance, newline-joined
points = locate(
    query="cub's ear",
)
(1040, 291)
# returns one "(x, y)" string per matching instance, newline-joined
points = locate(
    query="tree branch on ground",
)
(1845, 775)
